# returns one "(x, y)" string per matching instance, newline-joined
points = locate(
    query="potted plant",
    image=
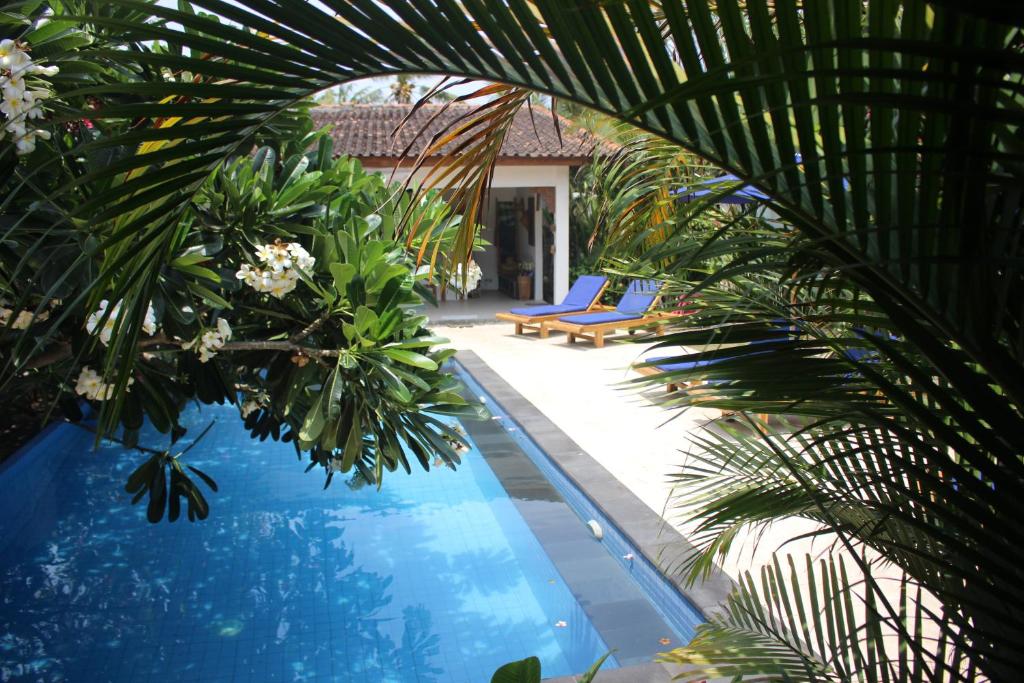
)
(524, 282)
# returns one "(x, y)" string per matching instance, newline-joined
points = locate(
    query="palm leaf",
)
(819, 621)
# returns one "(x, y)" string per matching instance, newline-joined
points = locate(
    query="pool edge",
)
(648, 531)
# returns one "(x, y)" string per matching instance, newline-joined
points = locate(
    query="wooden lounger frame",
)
(534, 322)
(597, 331)
(671, 387)
(650, 370)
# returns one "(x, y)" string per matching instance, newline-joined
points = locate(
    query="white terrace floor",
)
(480, 308)
(580, 388)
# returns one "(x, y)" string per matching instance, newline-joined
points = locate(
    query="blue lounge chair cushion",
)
(584, 291)
(639, 297)
(600, 318)
(694, 364)
(581, 296)
(688, 365)
(555, 309)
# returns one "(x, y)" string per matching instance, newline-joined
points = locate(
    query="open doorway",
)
(515, 263)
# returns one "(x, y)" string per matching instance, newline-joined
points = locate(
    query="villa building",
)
(526, 214)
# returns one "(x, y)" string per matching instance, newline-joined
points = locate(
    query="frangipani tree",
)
(286, 292)
(887, 135)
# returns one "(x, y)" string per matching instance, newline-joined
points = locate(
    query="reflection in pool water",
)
(436, 578)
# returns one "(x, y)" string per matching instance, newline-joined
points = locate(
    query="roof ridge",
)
(370, 105)
(363, 134)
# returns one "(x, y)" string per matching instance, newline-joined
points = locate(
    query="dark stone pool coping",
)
(658, 541)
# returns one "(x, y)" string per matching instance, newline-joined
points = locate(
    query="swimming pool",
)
(440, 577)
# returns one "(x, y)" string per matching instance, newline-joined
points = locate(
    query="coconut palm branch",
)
(866, 456)
(820, 621)
(887, 135)
(757, 131)
(461, 163)
(636, 185)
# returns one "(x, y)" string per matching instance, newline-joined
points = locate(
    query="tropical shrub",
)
(625, 202)
(287, 291)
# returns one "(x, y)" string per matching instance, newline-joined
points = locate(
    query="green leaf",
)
(365, 319)
(419, 343)
(313, 424)
(198, 271)
(190, 259)
(353, 439)
(205, 477)
(410, 358)
(523, 671)
(343, 274)
(591, 673)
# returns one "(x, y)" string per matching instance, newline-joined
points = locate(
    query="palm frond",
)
(459, 161)
(820, 621)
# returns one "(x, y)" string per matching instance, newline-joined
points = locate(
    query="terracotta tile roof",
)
(364, 131)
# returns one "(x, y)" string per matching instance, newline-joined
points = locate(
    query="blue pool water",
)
(436, 578)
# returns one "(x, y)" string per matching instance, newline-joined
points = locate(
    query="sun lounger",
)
(632, 311)
(660, 364)
(584, 295)
(663, 364)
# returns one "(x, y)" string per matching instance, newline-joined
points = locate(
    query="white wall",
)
(539, 257)
(527, 176)
(561, 272)
(488, 258)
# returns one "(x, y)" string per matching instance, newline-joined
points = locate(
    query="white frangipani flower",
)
(148, 325)
(26, 143)
(17, 128)
(248, 275)
(211, 340)
(12, 105)
(6, 48)
(280, 260)
(264, 252)
(301, 257)
(95, 319)
(92, 386)
(51, 70)
(13, 85)
(13, 56)
(88, 383)
(33, 110)
(279, 276)
(22, 93)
